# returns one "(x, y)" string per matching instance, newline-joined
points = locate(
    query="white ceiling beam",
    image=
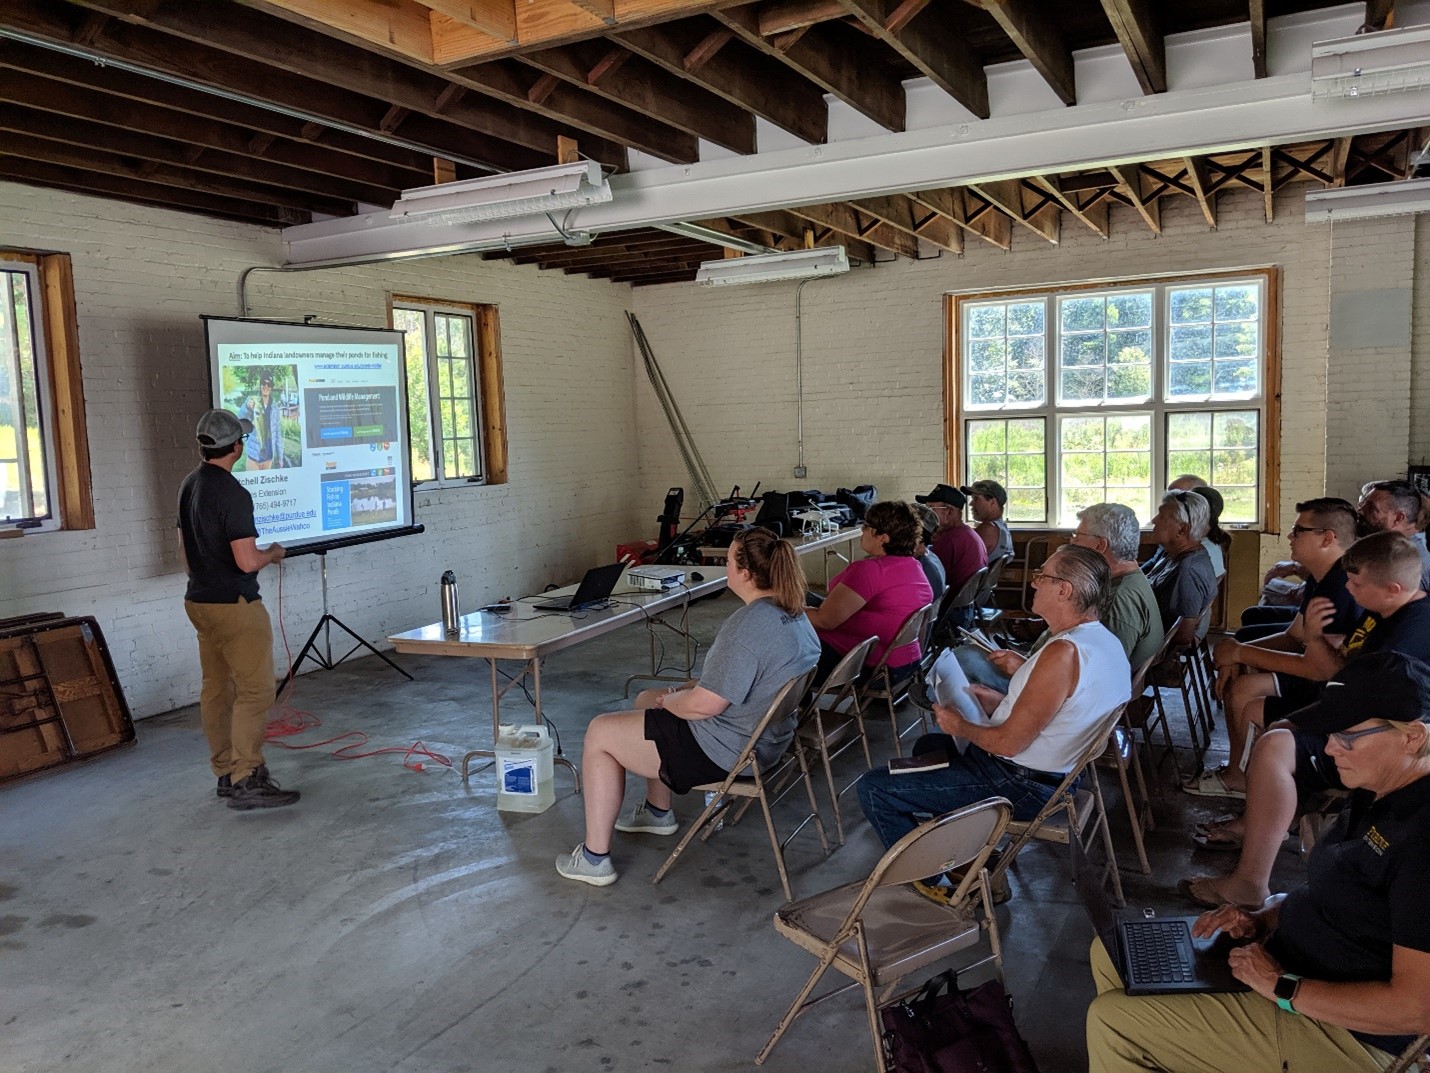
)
(1217, 119)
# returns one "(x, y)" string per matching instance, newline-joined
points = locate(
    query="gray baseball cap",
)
(221, 428)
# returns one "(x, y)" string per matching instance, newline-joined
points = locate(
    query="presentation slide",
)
(327, 460)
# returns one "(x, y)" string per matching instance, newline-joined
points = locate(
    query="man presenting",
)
(218, 541)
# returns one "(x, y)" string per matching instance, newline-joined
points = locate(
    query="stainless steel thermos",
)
(451, 609)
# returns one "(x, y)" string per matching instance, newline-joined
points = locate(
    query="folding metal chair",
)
(1068, 812)
(747, 780)
(880, 684)
(955, 604)
(983, 614)
(1179, 670)
(831, 728)
(879, 930)
(1410, 1058)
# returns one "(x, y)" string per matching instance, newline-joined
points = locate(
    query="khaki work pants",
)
(236, 655)
(1240, 1033)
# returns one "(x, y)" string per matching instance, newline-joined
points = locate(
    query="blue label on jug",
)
(519, 777)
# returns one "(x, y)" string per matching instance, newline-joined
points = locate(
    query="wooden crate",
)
(60, 700)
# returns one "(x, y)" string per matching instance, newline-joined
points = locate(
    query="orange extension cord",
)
(291, 720)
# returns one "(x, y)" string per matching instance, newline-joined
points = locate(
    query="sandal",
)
(1202, 891)
(1211, 784)
(1217, 838)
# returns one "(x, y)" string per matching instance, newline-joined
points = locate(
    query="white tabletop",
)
(526, 633)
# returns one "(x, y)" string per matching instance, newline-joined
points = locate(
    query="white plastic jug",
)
(526, 781)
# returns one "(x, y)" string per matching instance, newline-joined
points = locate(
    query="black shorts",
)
(683, 764)
(1292, 694)
(1315, 770)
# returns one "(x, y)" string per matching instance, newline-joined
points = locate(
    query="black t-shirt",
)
(1364, 894)
(1407, 632)
(215, 509)
(1333, 588)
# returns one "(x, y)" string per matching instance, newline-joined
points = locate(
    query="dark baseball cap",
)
(944, 493)
(1377, 685)
(221, 428)
(991, 489)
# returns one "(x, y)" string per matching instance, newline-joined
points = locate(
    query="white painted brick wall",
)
(142, 279)
(873, 351)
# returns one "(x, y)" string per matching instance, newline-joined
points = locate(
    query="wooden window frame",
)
(68, 431)
(491, 401)
(1269, 404)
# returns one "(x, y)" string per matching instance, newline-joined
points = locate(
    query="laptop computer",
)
(596, 587)
(1154, 955)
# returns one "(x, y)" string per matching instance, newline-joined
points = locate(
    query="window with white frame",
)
(444, 406)
(27, 456)
(1105, 394)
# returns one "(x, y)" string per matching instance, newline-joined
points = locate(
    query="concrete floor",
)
(394, 921)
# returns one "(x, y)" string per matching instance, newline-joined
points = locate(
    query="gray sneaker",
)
(575, 866)
(642, 822)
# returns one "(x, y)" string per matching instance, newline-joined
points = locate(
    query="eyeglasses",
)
(1297, 530)
(1346, 739)
(1039, 575)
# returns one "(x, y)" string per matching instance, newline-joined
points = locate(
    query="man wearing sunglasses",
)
(1339, 968)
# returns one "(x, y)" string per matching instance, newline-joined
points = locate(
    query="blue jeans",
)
(896, 804)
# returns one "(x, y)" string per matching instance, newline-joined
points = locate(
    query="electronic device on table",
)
(595, 588)
(656, 578)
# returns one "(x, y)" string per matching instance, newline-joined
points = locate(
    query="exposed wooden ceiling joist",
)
(912, 218)
(1200, 181)
(101, 184)
(1039, 40)
(755, 82)
(929, 38)
(126, 92)
(1138, 30)
(650, 90)
(315, 84)
(847, 221)
(860, 81)
(239, 163)
(1095, 213)
(971, 213)
(1257, 9)
(1130, 185)
(1034, 209)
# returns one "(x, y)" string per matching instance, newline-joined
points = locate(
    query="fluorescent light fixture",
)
(770, 267)
(501, 197)
(1388, 61)
(1368, 202)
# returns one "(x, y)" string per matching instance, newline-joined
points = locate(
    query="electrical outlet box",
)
(801, 472)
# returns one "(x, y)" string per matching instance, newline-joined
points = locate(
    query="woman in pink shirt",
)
(873, 596)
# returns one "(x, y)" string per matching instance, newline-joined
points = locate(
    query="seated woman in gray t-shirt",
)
(689, 735)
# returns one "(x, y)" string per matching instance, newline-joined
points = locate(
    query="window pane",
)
(1190, 378)
(1224, 448)
(1013, 453)
(1223, 324)
(1105, 460)
(1004, 355)
(24, 474)
(419, 425)
(1083, 314)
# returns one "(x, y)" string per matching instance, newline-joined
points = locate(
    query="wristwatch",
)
(1287, 984)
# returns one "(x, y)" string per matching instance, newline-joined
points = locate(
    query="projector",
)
(656, 578)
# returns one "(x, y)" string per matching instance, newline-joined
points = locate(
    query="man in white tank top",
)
(1058, 704)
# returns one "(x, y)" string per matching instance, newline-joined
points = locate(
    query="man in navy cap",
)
(957, 546)
(219, 544)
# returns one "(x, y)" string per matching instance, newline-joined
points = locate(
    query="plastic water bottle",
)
(451, 610)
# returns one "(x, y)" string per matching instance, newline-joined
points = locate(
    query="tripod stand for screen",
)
(324, 659)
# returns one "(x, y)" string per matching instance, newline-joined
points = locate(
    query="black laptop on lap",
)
(595, 588)
(1154, 955)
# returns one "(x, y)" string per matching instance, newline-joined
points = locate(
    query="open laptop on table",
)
(1154, 955)
(595, 588)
